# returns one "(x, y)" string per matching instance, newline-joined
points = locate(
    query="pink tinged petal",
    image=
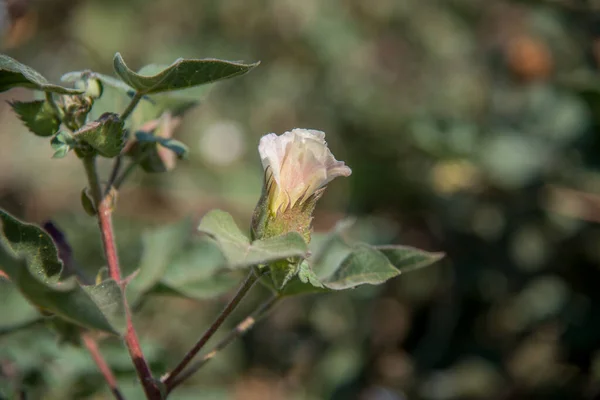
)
(272, 150)
(300, 163)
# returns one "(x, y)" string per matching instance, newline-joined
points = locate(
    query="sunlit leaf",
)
(238, 249)
(182, 74)
(365, 265)
(406, 258)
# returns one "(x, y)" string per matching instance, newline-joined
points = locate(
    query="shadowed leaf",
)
(16, 310)
(30, 242)
(160, 246)
(106, 135)
(14, 74)
(38, 116)
(29, 258)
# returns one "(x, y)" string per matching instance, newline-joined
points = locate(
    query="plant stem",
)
(131, 106)
(103, 205)
(242, 291)
(92, 347)
(235, 333)
(113, 174)
(93, 180)
(118, 161)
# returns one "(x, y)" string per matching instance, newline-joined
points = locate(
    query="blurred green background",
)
(471, 127)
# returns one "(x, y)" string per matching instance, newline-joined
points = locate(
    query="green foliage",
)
(38, 116)
(151, 106)
(174, 263)
(14, 74)
(29, 258)
(159, 247)
(30, 242)
(364, 265)
(180, 149)
(199, 271)
(406, 258)
(149, 151)
(62, 143)
(87, 202)
(181, 74)
(240, 252)
(76, 76)
(338, 265)
(106, 135)
(307, 275)
(16, 310)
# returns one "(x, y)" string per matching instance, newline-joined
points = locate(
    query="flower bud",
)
(298, 165)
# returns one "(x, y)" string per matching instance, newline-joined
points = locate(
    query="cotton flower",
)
(298, 165)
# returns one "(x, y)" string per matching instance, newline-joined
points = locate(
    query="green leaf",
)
(30, 242)
(106, 135)
(38, 116)
(365, 265)
(16, 310)
(406, 258)
(174, 263)
(180, 149)
(153, 149)
(180, 75)
(62, 143)
(93, 86)
(160, 246)
(176, 102)
(14, 74)
(29, 258)
(307, 275)
(98, 307)
(240, 252)
(108, 80)
(331, 250)
(198, 271)
(87, 202)
(338, 265)
(296, 287)
(65, 331)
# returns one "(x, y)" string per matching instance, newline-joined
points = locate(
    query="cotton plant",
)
(37, 262)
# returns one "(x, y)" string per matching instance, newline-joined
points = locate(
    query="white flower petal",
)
(300, 163)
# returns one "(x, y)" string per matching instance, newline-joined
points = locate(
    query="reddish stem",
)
(92, 347)
(104, 207)
(108, 238)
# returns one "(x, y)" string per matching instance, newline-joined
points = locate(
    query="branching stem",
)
(119, 159)
(235, 333)
(233, 303)
(103, 205)
(131, 106)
